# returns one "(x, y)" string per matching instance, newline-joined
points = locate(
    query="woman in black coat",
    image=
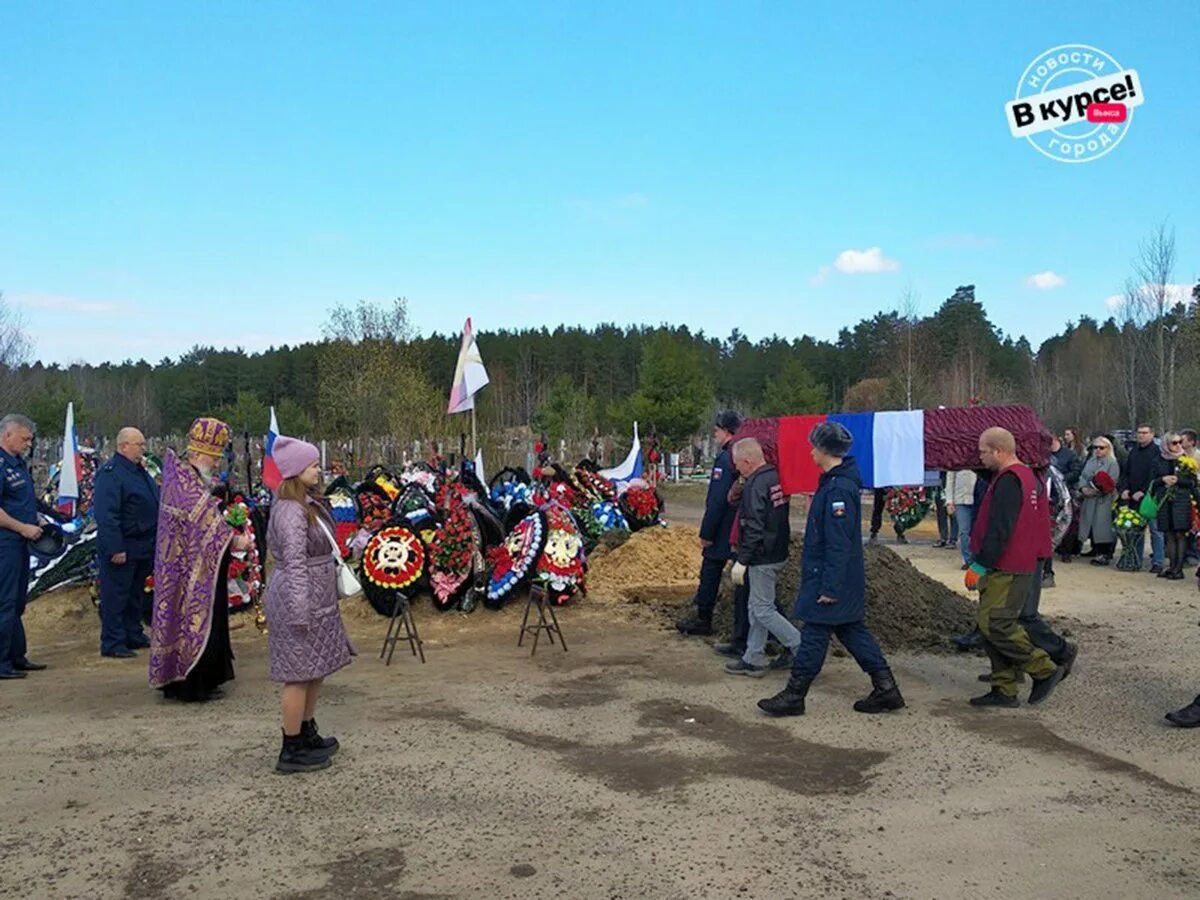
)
(1172, 487)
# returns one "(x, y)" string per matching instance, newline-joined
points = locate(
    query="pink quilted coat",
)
(305, 635)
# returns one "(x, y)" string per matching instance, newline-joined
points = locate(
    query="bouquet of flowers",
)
(641, 506)
(245, 579)
(1129, 525)
(906, 506)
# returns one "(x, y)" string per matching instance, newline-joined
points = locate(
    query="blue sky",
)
(225, 172)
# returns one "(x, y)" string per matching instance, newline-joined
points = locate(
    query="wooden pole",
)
(474, 434)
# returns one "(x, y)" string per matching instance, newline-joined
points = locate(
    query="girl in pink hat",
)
(306, 639)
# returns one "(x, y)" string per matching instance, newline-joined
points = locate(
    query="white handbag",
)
(347, 584)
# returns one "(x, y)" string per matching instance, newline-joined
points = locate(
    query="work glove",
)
(975, 574)
(738, 575)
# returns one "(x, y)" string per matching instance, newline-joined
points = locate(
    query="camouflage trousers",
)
(1002, 597)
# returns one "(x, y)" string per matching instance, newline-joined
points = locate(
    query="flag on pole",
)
(470, 377)
(479, 466)
(70, 468)
(270, 472)
(632, 466)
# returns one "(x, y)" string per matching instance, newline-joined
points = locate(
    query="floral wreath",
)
(561, 564)
(515, 558)
(450, 555)
(641, 506)
(245, 574)
(595, 484)
(609, 516)
(394, 558)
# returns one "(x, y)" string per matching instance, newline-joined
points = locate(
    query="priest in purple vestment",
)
(190, 653)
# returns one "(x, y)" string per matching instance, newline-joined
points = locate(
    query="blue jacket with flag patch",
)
(125, 504)
(833, 564)
(718, 511)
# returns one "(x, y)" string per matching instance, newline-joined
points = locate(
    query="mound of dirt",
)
(665, 559)
(659, 568)
(65, 612)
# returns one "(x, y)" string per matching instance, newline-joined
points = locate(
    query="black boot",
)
(965, 643)
(297, 756)
(699, 624)
(1188, 717)
(884, 696)
(789, 701)
(312, 738)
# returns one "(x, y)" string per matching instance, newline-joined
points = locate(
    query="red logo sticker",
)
(1107, 112)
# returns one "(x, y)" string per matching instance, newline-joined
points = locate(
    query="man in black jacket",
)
(1136, 475)
(718, 518)
(762, 551)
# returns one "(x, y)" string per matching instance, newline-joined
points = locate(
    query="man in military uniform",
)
(1010, 537)
(18, 526)
(833, 589)
(719, 513)
(126, 510)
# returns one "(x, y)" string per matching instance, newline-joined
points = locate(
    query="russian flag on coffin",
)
(270, 472)
(889, 447)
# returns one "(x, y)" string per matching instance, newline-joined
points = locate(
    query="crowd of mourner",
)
(172, 541)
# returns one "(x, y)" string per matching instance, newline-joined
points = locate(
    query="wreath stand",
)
(402, 627)
(537, 595)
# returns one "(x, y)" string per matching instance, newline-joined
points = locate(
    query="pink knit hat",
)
(292, 455)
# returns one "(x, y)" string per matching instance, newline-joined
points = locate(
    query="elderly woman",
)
(306, 640)
(1172, 486)
(190, 653)
(1097, 482)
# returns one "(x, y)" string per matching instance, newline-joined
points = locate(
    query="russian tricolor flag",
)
(888, 446)
(270, 472)
(70, 468)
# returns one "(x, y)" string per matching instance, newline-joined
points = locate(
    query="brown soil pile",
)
(68, 612)
(666, 558)
(659, 568)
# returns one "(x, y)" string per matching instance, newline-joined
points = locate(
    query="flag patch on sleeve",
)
(839, 507)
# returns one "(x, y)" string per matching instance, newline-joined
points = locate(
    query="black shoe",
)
(1068, 659)
(6, 676)
(901, 539)
(1188, 717)
(698, 624)
(964, 567)
(313, 739)
(781, 661)
(120, 654)
(965, 643)
(995, 698)
(142, 643)
(938, 545)
(730, 650)
(1174, 576)
(874, 538)
(1100, 561)
(789, 701)
(25, 665)
(1044, 687)
(297, 756)
(1161, 573)
(884, 696)
(1154, 570)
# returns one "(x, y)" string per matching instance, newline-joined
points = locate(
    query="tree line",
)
(370, 374)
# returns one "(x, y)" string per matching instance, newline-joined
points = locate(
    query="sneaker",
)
(938, 545)
(1044, 687)
(741, 667)
(1047, 581)
(733, 651)
(995, 698)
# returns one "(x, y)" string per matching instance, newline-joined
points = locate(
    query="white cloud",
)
(870, 261)
(822, 274)
(1176, 293)
(1046, 281)
(76, 305)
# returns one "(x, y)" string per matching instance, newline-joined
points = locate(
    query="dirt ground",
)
(630, 766)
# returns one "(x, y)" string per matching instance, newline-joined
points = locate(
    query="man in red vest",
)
(1011, 532)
